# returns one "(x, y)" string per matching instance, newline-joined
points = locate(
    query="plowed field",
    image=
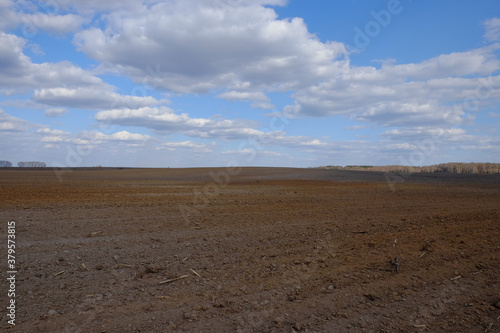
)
(251, 250)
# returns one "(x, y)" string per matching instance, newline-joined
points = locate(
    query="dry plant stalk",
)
(124, 265)
(172, 280)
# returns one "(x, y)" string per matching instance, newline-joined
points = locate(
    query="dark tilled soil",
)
(252, 250)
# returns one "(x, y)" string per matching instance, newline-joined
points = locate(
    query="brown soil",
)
(258, 250)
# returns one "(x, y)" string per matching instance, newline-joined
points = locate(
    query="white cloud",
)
(247, 51)
(90, 138)
(127, 136)
(401, 146)
(18, 73)
(93, 97)
(55, 112)
(9, 123)
(258, 99)
(192, 47)
(194, 146)
(492, 29)
(419, 133)
(165, 120)
(95, 137)
(47, 130)
(56, 24)
(59, 84)
(253, 152)
(33, 18)
(438, 91)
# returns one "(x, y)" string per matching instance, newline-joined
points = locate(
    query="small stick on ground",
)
(85, 267)
(456, 278)
(172, 280)
(124, 265)
(198, 275)
(58, 273)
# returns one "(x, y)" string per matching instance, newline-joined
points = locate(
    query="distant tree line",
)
(463, 168)
(30, 164)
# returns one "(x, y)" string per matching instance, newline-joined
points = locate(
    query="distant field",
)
(253, 250)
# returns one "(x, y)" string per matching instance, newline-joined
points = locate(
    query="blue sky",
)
(249, 82)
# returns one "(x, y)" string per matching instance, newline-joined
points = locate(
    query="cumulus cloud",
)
(34, 17)
(56, 24)
(59, 84)
(17, 72)
(165, 120)
(193, 47)
(90, 138)
(245, 50)
(437, 91)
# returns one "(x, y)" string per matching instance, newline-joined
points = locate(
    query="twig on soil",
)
(489, 327)
(423, 254)
(172, 280)
(420, 326)
(85, 267)
(124, 265)
(395, 241)
(198, 275)
(58, 273)
(456, 278)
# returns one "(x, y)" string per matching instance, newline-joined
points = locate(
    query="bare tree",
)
(31, 164)
(467, 168)
(5, 164)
